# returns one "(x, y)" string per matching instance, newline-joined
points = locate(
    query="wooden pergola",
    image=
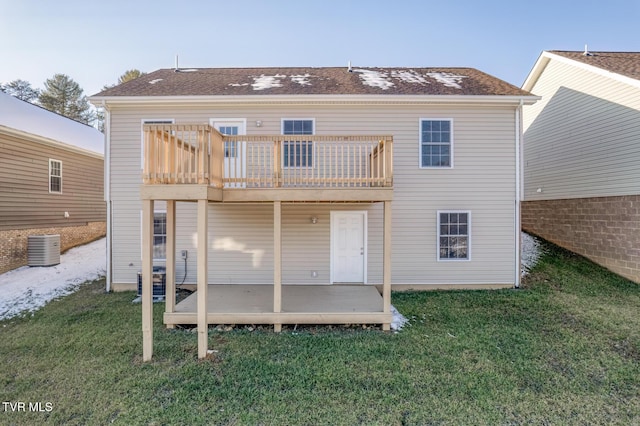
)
(185, 163)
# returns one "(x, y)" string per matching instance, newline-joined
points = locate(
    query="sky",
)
(94, 42)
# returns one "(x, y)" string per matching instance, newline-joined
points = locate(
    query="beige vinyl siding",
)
(307, 246)
(582, 138)
(241, 242)
(25, 200)
(482, 182)
(125, 180)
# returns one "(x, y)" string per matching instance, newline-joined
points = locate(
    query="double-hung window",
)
(55, 176)
(454, 235)
(159, 235)
(298, 152)
(436, 143)
(230, 148)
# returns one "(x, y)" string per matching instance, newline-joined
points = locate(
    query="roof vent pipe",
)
(350, 69)
(586, 51)
(177, 68)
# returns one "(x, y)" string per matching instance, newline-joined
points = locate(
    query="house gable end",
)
(619, 66)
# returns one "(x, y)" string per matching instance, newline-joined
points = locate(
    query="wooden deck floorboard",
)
(254, 304)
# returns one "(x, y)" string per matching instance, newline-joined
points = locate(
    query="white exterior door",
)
(235, 153)
(348, 247)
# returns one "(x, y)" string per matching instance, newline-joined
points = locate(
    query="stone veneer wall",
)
(13, 243)
(603, 229)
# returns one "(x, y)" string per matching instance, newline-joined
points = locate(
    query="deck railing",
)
(199, 154)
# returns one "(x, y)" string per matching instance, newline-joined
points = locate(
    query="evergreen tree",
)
(64, 96)
(21, 89)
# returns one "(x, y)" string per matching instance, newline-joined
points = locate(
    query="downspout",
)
(107, 188)
(517, 230)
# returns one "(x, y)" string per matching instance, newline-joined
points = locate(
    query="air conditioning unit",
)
(159, 282)
(43, 250)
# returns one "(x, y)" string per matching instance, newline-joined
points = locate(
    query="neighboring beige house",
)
(51, 180)
(315, 190)
(582, 156)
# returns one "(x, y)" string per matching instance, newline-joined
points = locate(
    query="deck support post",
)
(386, 278)
(147, 279)
(277, 261)
(170, 292)
(202, 284)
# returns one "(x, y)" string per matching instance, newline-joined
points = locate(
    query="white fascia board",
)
(535, 72)
(317, 99)
(50, 142)
(545, 57)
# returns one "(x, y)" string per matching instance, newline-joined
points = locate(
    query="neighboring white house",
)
(582, 156)
(313, 178)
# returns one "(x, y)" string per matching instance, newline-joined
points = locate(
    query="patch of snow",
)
(267, 81)
(302, 80)
(448, 79)
(398, 320)
(409, 76)
(238, 84)
(157, 80)
(27, 289)
(375, 78)
(530, 252)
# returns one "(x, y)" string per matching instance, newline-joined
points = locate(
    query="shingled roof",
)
(314, 81)
(623, 63)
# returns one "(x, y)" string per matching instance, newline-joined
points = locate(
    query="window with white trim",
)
(297, 153)
(159, 235)
(436, 142)
(454, 235)
(230, 148)
(55, 176)
(150, 121)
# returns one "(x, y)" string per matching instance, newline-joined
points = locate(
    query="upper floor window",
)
(55, 176)
(436, 141)
(150, 121)
(297, 153)
(454, 235)
(230, 148)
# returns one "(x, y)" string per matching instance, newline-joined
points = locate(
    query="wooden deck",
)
(301, 304)
(197, 154)
(197, 163)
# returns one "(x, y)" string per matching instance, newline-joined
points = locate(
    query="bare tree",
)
(130, 75)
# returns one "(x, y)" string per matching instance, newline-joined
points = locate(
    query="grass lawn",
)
(565, 349)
